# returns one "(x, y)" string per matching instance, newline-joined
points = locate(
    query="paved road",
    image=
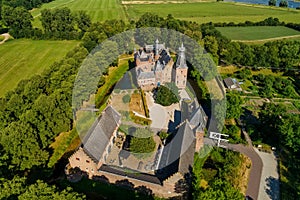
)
(256, 168)
(253, 187)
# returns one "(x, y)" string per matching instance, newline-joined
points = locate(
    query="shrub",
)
(163, 135)
(142, 143)
(126, 98)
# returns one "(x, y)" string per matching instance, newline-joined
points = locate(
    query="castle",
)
(154, 66)
(173, 160)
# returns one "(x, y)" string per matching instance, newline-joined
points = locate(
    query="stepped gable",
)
(99, 135)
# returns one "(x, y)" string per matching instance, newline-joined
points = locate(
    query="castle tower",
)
(156, 47)
(181, 69)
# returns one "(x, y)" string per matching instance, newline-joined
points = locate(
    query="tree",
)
(83, 21)
(126, 98)
(165, 96)
(20, 141)
(211, 45)
(283, 3)
(41, 190)
(11, 188)
(59, 23)
(272, 2)
(245, 74)
(234, 105)
(18, 20)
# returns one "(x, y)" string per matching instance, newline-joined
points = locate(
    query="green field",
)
(98, 10)
(23, 58)
(257, 32)
(214, 12)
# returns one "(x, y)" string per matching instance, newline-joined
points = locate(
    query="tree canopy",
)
(165, 96)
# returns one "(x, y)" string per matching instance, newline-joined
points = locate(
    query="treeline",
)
(37, 111)
(267, 22)
(27, 4)
(276, 54)
(31, 116)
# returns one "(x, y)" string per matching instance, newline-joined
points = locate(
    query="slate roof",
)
(146, 75)
(164, 57)
(95, 142)
(194, 113)
(228, 82)
(178, 155)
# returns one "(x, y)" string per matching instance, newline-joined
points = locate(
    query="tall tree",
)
(19, 21)
(272, 2)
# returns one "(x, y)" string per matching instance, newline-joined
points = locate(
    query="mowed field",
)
(214, 12)
(98, 10)
(22, 58)
(257, 32)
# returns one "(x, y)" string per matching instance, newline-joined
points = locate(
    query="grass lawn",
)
(256, 32)
(214, 12)
(22, 58)
(99, 10)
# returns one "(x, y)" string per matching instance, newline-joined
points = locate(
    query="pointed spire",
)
(156, 46)
(182, 48)
(181, 62)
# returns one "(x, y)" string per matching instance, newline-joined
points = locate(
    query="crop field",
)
(22, 58)
(257, 32)
(213, 12)
(98, 10)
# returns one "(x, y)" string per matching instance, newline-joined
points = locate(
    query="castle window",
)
(181, 72)
(87, 161)
(77, 158)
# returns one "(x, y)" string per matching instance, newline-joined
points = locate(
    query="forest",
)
(40, 108)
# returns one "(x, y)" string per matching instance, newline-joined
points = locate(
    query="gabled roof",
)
(178, 155)
(228, 82)
(187, 148)
(100, 133)
(145, 75)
